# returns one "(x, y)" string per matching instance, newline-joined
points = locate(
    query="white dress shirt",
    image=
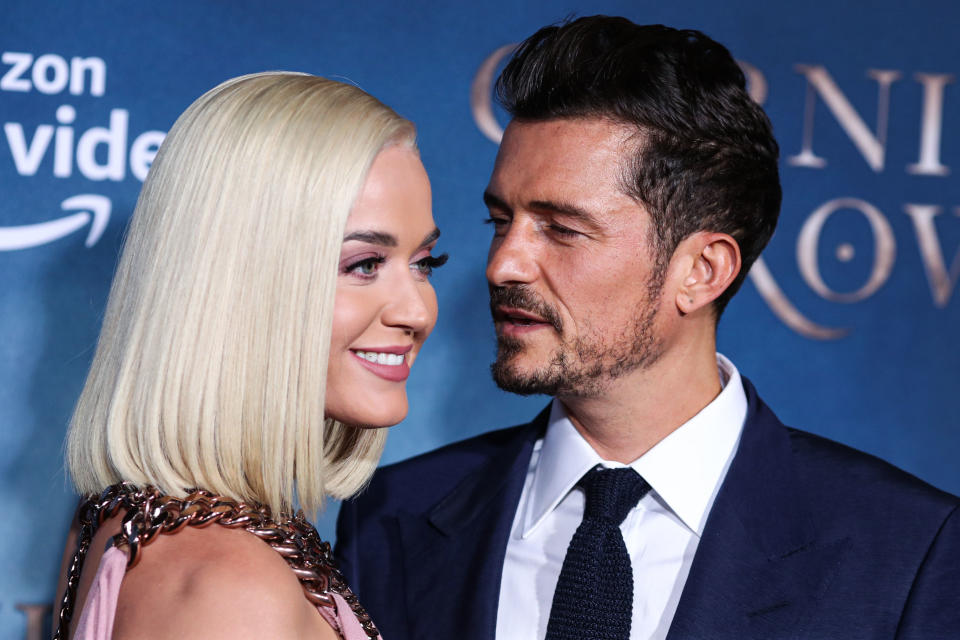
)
(685, 471)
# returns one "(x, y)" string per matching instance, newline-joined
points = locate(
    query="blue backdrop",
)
(847, 327)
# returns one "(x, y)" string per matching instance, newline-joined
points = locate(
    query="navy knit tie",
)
(594, 596)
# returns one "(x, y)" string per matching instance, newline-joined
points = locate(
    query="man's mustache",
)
(524, 299)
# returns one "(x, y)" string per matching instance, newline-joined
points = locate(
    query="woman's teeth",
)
(390, 359)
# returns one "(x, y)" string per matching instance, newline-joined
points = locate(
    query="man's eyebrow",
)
(493, 202)
(564, 208)
(546, 206)
(372, 237)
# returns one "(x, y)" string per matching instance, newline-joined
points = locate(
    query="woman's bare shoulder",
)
(214, 583)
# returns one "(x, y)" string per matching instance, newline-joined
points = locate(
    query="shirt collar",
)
(685, 469)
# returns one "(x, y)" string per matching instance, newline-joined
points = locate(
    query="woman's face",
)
(385, 306)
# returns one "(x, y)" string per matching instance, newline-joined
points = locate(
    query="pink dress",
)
(96, 619)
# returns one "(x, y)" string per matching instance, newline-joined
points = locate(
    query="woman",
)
(272, 294)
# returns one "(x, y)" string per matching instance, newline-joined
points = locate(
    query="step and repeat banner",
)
(848, 326)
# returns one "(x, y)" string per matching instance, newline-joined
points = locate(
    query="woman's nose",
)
(412, 307)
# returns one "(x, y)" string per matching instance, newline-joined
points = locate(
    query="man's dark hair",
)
(706, 158)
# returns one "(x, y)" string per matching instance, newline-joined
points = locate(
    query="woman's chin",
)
(371, 419)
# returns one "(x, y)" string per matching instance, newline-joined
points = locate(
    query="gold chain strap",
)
(150, 513)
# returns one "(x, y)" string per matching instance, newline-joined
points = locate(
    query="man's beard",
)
(583, 367)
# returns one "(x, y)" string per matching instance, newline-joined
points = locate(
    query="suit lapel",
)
(759, 567)
(454, 553)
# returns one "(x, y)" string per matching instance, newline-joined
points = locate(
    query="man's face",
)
(574, 286)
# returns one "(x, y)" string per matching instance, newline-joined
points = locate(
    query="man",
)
(657, 496)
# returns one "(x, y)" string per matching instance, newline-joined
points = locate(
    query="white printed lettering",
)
(756, 82)
(143, 151)
(885, 249)
(41, 78)
(98, 75)
(872, 146)
(11, 80)
(114, 138)
(480, 102)
(778, 302)
(63, 144)
(27, 158)
(931, 125)
(931, 251)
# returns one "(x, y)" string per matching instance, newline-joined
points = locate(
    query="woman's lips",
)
(390, 363)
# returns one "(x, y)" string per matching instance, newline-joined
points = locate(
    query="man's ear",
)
(709, 263)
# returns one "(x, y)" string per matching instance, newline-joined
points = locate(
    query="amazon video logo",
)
(100, 153)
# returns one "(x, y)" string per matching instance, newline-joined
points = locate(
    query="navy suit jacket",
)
(807, 538)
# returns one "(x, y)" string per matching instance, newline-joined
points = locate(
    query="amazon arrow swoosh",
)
(92, 208)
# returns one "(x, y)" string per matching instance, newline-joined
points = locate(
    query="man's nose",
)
(512, 257)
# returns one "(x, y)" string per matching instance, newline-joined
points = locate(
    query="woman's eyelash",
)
(428, 264)
(368, 267)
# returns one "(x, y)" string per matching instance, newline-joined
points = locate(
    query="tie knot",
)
(611, 493)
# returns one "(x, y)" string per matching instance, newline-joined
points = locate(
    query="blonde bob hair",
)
(210, 370)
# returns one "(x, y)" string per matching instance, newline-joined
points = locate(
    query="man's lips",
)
(512, 321)
(517, 316)
(521, 307)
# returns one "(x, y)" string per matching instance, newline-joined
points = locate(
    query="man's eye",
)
(499, 225)
(563, 231)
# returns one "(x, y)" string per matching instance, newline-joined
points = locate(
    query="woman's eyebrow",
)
(372, 237)
(387, 239)
(430, 237)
